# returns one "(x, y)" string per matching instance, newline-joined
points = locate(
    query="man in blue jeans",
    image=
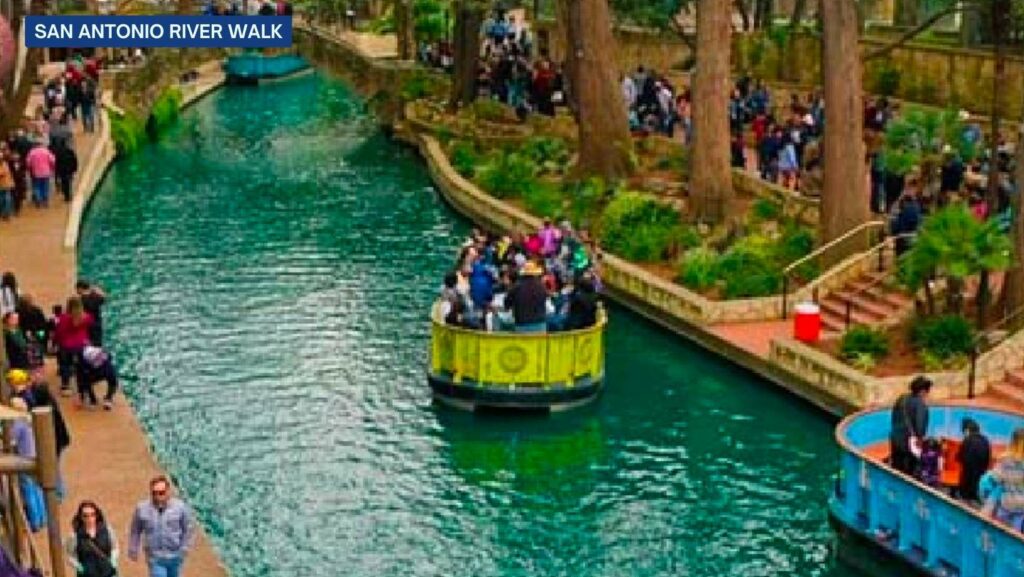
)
(168, 528)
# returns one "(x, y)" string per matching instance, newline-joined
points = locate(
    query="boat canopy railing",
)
(912, 519)
(514, 359)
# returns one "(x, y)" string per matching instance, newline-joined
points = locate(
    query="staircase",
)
(871, 303)
(1010, 390)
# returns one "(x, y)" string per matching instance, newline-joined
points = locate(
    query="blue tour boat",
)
(875, 507)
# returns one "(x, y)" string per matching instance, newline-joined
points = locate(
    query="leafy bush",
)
(492, 111)
(420, 85)
(429, 20)
(550, 154)
(507, 175)
(765, 209)
(699, 270)
(636, 227)
(128, 132)
(748, 269)
(886, 81)
(863, 341)
(165, 109)
(465, 158)
(543, 199)
(586, 198)
(943, 337)
(383, 25)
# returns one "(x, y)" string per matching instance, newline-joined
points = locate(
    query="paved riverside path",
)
(109, 460)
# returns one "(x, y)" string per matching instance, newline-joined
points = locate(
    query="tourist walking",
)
(8, 293)
(1007, 502)
(72, 336)
(93, 299)
(89, 97)
(36, 395)
(909, 427)
(66, 167)
(164, 528)
(15, 345)
(91, 547)
(19, 172)
(6, 188)
(41, 166)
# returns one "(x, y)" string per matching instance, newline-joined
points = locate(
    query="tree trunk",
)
(711, 181)
(907, 12)
(799, 7)
(844, 197)
(765, 9)
(468, 18)
(1013, 284)
(568, 11)
(14, 107)
(405, 28)
(605, 142)
(1000, 15)
(982, 298)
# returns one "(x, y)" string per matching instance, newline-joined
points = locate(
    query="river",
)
(270, 264)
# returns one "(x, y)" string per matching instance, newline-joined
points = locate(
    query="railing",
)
(887, 243)
(508, 359)
(932, 531)
(856, 240)
(983, 342)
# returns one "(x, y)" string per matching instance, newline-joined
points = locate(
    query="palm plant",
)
(919, 138)
(953, 244)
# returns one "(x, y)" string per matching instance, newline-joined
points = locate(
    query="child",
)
(931, 462)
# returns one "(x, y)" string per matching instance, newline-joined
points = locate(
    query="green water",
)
(270, 264)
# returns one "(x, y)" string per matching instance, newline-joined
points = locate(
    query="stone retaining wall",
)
(862, 389)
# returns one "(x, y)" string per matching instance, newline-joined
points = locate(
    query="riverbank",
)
(748, 332)
(109, 459)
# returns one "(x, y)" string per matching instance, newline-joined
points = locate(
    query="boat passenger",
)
(931, 462)
(583, 305)
(909, 427)
(550, 238)
(452, 306)
(974, 457)
(1006, 503)
(528, 300)
(481, 284)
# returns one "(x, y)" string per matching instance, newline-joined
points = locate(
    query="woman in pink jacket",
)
(41, 164)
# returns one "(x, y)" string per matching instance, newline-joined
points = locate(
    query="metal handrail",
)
(817, 253)
(983, 337)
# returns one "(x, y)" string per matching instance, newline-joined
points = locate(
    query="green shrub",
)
(699, 270)
(543, 199)
(465, 158)
(637, 227)
(886, 81)
(166, 109)
(586, 199)
(795, 243)
(765, 209)
(863, 341)
(943, 337)
(491, 111)
(128, 132)
(507, 175)
(551, 155)
(383, 25)
(749, 270)
(420, 85)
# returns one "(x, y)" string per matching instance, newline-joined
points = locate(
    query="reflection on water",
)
(270, 266)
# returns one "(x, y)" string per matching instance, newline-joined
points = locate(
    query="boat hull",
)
(471, 396)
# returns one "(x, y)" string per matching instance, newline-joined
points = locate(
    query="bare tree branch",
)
(916, 31)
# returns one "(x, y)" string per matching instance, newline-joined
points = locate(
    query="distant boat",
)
(254, 67)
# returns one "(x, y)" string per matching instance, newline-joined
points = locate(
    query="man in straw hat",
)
(528, 300)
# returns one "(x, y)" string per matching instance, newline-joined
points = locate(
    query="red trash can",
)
(807, 322)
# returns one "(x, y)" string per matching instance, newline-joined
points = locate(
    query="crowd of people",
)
(995, 487)
(535, 283)
(162, 526)
(41, 153)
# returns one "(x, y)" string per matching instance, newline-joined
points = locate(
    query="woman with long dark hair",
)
(91, 547)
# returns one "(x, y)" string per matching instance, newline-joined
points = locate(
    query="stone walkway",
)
(109, 459)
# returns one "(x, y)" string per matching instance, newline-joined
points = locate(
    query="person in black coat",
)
(974, 457)
(528, 300)
(909, 426)
(67, 166)
(582, 305)
(38, 395)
